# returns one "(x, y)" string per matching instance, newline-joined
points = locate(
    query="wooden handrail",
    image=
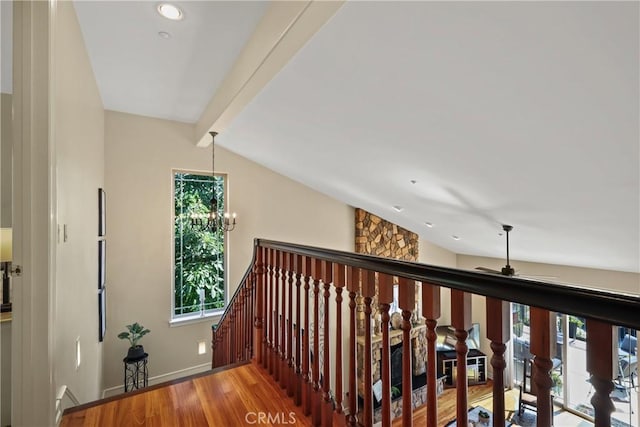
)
(614, 308)
(282, 314)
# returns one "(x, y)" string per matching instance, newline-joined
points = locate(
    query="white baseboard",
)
(112, 391)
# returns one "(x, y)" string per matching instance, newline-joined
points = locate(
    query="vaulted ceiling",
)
(463, 115)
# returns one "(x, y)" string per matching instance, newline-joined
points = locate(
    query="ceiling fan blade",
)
(537, 277)
(488, 270)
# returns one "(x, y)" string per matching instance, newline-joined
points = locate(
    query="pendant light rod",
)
(214, 221)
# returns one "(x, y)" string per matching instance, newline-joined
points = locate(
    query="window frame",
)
(201, 314)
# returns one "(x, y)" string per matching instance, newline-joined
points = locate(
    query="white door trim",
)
(33, 396)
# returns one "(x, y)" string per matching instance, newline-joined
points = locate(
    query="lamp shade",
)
(6, 245)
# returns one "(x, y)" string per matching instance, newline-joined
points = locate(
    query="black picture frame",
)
(102, 263)
(102, 314)
(102, 213)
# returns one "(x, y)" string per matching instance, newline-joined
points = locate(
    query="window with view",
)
(199, 253)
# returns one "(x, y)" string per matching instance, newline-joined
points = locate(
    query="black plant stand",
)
(136, 375)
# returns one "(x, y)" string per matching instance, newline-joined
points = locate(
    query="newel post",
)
(259, 299)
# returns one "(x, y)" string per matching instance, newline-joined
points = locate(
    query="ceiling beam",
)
(284, 29)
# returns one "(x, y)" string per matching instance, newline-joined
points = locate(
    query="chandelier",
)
(214, 220)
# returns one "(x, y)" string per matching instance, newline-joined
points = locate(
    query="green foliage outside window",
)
(199, 284)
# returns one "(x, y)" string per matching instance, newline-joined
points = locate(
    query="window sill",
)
(190, 320)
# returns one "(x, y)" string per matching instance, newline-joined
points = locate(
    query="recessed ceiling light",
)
(164, 34)
(454, 237)
(428, 224)
(398, 208)
(170, 11)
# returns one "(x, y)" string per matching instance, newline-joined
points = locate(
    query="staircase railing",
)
(232, 336)
(288, 315)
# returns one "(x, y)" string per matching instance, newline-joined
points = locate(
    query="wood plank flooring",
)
(447, 405)
(233, 397)
(236, 397)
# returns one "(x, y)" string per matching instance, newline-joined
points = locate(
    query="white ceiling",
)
(524, 113)
(140, 72)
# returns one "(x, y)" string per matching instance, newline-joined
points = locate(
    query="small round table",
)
(136, 374)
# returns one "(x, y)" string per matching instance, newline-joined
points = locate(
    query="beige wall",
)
(79, 139)
(140, 155)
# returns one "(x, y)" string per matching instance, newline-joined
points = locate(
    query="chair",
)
(527, 397)
(627, 369)
(628, 346)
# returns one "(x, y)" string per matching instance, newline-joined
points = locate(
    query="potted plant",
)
(134, 333)
(556, 380)
(574, 324)
(518, 329)
(395, 392)
(483, 417)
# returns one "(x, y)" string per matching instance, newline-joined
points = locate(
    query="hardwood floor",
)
(447, 404)
(233, 397)
(237, 397)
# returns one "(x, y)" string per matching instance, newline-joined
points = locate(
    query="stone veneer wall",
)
(376, 236)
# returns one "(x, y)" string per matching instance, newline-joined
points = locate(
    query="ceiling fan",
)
(507, 270)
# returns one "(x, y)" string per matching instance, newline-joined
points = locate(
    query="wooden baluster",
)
(276, 310)
(249, 316)
(327, 404)
(461, 321)
(353, 284)
(216, 345)
(230, 331)
(368, 291)
(339, 281)
(290, 368)
(385, 298)
(431, 313)
(240, 324)
(269, 312)
(245, 309)
(407, 303)
(213, 348)
(600, 365)
(498, 332)
(284, 377)
(254, 309)
(225, 343)
(316, 398)
(306, 378)
(219, 345)
(542, 338)
(297, 398)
